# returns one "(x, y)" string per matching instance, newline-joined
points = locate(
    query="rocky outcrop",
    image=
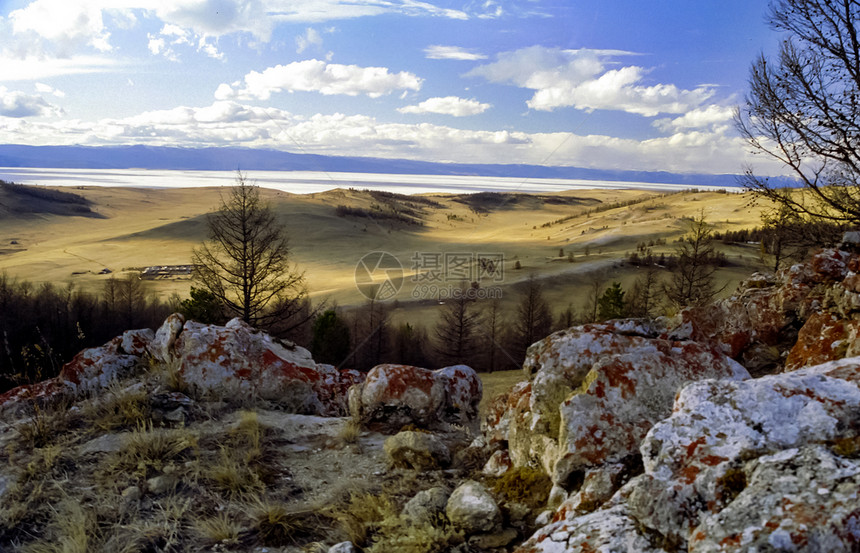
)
(233, 362)
(596, 391)
(396, 395)
(768, 463)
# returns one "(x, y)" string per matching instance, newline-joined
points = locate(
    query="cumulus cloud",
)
(18, 104)
(703, 117)
(586, 79)
(449, 105)
(66, 25)
(319, 76)
(439, 52)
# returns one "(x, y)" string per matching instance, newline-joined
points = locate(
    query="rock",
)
(399, 395)
(504, 408)
(15, 401)
(805, 499)
(161, 347)
(236, 361)
(106, 443)
(597, 488)
(824, 337)
(472, 509)
(137, 342)
(343, 547)
(624, 395)
(95, 368)
(493, 540)
(462, 390)
(596, 392)
(718, 428)
(417, 451)
(161, 484)
(396, 395)
(498, 464)
(830, 265)
(612, 530)
(427, 505)
(851, 241)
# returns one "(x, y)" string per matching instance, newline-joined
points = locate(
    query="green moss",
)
(731, 484)
(524, 485)
(847, 447)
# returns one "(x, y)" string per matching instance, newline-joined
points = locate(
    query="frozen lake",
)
(306, 182)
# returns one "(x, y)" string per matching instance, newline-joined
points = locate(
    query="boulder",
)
(417, 450)
(472, 509)
(596, 391)
(754, 465)
(427, 505)
(824, 337)
(397, 395)
(137, 342)
(236, 361)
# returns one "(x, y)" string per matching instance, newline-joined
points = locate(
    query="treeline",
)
(44, 326)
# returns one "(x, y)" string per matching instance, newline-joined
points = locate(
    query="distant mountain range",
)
(228, 159)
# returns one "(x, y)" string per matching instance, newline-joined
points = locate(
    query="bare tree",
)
(534, 318)
(803, 109)
(692, 280)
(457, 329)
(246, 261)
(645, 297)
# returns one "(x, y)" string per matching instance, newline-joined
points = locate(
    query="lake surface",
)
(306, 182)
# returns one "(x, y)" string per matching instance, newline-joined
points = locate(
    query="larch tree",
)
(246, 263)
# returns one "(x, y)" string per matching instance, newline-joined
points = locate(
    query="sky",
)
(604, 84)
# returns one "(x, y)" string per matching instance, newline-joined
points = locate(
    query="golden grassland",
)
(145, 227)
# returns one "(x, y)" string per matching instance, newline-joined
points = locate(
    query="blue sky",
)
(610, 84)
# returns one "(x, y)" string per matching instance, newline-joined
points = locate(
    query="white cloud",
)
(232, 123)
(67, 25)
(583, 79)
(310, 38)
(703, 117)
(438, 52)
(449, 105)
(319, 76)
(17, 104)
(43, 88)
(34, 68)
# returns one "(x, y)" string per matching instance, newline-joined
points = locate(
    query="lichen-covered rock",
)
(824, 337)
(612, 530)
(427, 505)
(396, 395)
(624, 395)
(161, 347)
(797, 500)
(717, 427)
(504, 408)
(236, 361)
(498, 464)
(95, 368)
(417, 451)
(597, 488)
(463, 390)
(472, 509)
(137, 342)
(597, 390)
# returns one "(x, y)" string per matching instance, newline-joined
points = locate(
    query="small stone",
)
(426, 505)
(417, 450)
(473, 509)
(543, 519)
(161, 484)
(499, 463)
(343, 547)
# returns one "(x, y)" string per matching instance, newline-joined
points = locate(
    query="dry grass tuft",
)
(221, 529)
(147, 451)
(350, 432)
(119, 408)
(276, 526)
(361, 515)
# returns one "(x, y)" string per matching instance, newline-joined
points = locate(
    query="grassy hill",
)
(331, 231)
